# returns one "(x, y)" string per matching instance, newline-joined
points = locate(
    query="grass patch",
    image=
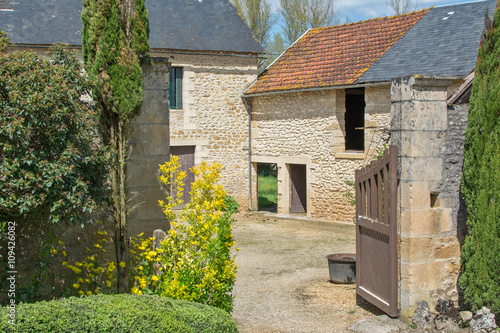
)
(267, 190)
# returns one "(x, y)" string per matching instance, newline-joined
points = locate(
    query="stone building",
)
(322, 109)
(204, 56)
(339, 94)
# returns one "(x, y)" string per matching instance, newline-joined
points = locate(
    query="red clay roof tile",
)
(335, 55)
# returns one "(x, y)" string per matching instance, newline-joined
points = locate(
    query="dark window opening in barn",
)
(267, 187)
(355, 119)
(176, 88)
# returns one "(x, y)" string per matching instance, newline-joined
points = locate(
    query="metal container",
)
(342, 267)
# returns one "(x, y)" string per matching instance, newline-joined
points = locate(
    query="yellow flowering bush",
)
(93, 274)
(194, 262)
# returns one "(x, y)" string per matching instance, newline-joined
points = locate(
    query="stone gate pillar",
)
(429, 252)
(149, 140)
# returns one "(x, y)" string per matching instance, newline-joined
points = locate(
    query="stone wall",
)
(309, 128)
(213, 117)
(430, 141)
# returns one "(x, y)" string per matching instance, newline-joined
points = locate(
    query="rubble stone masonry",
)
(309, 128)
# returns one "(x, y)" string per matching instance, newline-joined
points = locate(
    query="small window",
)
(355, 119)
(176, 88)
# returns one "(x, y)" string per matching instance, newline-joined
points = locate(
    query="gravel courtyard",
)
(283, 283)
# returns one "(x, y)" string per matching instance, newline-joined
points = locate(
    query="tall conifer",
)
(480, 279)
(115, 39)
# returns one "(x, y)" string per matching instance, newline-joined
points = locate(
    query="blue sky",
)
(358, 10)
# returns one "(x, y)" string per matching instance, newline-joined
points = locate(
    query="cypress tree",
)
(480, 279)
(115, 41)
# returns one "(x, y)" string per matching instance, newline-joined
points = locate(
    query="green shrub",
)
(117, 313)
(53, 169)
(231, 204)
(480, 279)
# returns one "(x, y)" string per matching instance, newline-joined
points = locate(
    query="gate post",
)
(429, 252)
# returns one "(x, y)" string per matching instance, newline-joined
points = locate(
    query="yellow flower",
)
(134, 290)
(87, 280)
(80, 280)
(76, 285)
(122, 264)
(108, 283)
(140, 235)
(64, 253)
(81, 292)
(98, 246)
(60, 242)
(53, 251)
(65, 263)
(97, 290)
(89, 293)
(155, 278)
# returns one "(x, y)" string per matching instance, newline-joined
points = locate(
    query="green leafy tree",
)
(52, 168)
(480, 279)
(115, 41)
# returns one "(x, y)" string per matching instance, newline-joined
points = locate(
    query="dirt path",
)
(283, 281)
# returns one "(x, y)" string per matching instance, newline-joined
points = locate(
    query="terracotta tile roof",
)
(336, 55)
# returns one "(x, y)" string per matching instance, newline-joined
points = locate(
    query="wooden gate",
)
(376, 232)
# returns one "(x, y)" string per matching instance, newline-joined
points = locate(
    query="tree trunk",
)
(118, 136)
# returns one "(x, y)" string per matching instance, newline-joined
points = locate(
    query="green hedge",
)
(118, 313)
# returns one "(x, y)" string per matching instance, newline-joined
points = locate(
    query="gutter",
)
(313, 89)
(248, 106)
(214, 53)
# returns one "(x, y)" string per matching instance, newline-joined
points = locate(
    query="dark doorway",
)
(355, 119)
(298, 188)
(186, 160)
(267, 187)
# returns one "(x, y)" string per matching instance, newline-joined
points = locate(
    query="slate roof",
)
(443, 42)
(336, 55)
(191, 25)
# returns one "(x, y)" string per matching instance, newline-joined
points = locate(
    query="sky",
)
(359, 10)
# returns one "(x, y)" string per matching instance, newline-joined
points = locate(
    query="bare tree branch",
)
(403, 6)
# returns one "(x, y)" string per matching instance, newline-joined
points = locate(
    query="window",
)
(176, 88)
(355, 119)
